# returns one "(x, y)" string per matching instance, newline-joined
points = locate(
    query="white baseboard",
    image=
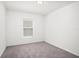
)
(63, 48)
(24, 42)
(2, 51)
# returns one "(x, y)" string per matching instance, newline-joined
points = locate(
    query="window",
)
(27, 28)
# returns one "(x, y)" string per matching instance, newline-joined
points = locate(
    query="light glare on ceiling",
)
(39, 2)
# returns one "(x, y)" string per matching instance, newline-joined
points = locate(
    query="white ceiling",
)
(34, 7)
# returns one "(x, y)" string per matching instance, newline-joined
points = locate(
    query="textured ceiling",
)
(33, 7)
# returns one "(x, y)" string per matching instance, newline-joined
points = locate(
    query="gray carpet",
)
(36, 50)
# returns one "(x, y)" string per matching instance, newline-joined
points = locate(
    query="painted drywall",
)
(2, 28)
(62, 28)
(15, 28)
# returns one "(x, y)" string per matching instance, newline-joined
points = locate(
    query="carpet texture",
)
(36, 50)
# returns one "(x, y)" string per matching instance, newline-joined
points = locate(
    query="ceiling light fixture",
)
(39, 2)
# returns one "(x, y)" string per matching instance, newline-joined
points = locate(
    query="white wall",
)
(15, 28)
(62, 28)
(2, 28)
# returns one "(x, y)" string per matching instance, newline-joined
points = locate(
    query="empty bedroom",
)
(39, 29)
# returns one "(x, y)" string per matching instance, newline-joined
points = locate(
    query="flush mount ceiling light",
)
(40, 2)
